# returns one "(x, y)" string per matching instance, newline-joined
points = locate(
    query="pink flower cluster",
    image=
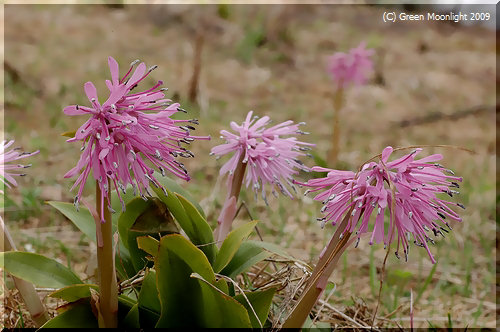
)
(417, 209)
(353, 67)
(127, 131)
(272, 159)
(6, 174)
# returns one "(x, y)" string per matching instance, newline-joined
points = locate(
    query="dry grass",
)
(249, 61)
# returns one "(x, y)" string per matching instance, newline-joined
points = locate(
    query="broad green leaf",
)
(194, 257)
(142, 214)
(231, 244)
(126, 307)
(219, 309)
(223, 311)
(175, 207)
(248, 254)
(189, 302)
(178, 293)
(172, 186)
(131, 320)
(117, 205)
(37, 269)
(78, 316)
(133, 210)
(156, 219)
(74, 292)
(261, 303)
(125, 301)
(149, 304)
(82, 219)
(190, 220)
(222, 285)
(148, 244)
(203, 234)
(123, 262)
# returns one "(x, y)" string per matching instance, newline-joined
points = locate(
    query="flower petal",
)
(114, 69)
(386, 153)
(74, 110)
(90, 91)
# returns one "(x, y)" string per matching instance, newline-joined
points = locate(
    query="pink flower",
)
(417, 208)
(353, 67)
(127, 132)
(271, 158)
(6, 175)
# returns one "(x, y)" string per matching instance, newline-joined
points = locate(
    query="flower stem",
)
(318, 280)
(228, 212)
(108, 299)
(337, 106)
(26, 289)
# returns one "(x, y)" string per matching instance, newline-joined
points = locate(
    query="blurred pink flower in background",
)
(352, 67)
(271, 158)
(126, 131)
(417, 208)
(6, 169)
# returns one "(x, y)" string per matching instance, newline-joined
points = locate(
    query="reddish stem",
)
(108, 299)
(228, 212)
(317, 282)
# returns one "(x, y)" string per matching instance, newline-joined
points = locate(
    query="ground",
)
(272, 59)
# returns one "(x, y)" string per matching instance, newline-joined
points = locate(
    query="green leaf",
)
(188, 302)
(126, 307)
(231, 244)
(193, 256)
(74, 292)
(175, 207)
(228, 312)
(149, 303)
(117, 205)
(140, 215)
(156, 219)
(125, 302)
(172, 186)
(178, 293)
(191, 221)
(248, 254)
(222, 285)
(131, 320)
(78, 316)
(133, 210)
(123, 262)
(261, 303)
(82, 219)
(148, 244)
(37, 269)
(203, 234)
